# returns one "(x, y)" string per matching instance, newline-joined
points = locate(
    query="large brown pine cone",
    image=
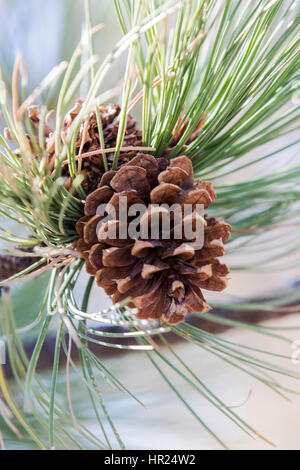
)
(163, 278)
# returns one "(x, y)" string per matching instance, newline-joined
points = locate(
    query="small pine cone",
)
(163, 278)
(88, 140)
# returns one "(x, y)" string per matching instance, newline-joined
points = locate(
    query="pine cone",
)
(163, 278)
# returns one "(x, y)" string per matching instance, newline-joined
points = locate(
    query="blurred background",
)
(46, 33)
